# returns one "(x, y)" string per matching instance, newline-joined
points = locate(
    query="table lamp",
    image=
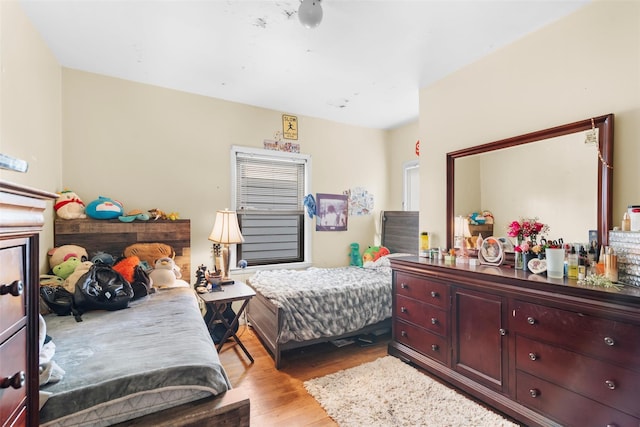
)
(226, 231)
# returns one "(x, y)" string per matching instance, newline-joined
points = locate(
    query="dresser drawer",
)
(606, 383)
(615, 341)
(428, 291)
(13, 362)
(421, 340)
(12, 308)
(568, 408)
(429, 317)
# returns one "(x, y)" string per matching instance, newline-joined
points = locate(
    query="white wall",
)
(585, 65)
(30, 108)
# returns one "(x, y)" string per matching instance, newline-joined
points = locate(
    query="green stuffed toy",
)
(373, 253)
(356, 259)
(66, 268)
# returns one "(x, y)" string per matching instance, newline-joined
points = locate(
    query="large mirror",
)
(562, 176)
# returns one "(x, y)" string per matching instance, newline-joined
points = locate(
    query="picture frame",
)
(332, 212)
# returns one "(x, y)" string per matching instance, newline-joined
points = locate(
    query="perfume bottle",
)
(572, 271)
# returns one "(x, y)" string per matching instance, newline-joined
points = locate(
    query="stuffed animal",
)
(62, 253)
(69, 206)
(356, 259)
(133, 215)
(373, 253)
(67, 267)
(165, 273)
(103, 258)
(130, 269)
(104, 208)
(70, 282)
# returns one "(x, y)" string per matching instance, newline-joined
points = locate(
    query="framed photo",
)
(332, 211)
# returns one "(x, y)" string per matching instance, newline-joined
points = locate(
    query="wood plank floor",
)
(278, 398)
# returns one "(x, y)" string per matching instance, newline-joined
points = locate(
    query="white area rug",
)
(389, 392)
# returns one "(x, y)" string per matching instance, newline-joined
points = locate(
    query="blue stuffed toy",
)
(104, 208)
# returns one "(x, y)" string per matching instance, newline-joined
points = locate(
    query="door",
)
(479, 341)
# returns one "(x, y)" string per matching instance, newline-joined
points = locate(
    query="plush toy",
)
(104, 208)
(126, 266)
(62, 253)
(130, 269)
(103, 258)
(374, 252)
(69, 206)
(157, 214)
(70, 282)
(356, 259)
(133, 215)
(65, 268)
(165, 273)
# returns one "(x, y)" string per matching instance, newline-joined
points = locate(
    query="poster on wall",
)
(332, 211)
(360, 201)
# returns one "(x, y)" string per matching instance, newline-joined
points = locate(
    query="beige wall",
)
(151, 147)
(400, 149)
(29, 108)
(586, 65)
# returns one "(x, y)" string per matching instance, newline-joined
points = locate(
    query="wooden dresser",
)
(21, 219)
(544, 351)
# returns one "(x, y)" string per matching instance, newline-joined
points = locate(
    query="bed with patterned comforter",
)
(294, 308)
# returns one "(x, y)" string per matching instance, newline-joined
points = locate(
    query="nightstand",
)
(217, 302)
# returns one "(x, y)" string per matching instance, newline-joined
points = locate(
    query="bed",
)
(297, 308)
(153, 363)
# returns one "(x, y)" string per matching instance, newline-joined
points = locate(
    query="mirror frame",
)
(604, 124)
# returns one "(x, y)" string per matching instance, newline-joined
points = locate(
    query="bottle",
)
(626, 222)
(424, 243)
(611, 265)
(582, 267)
(591, 255)
(572, 271)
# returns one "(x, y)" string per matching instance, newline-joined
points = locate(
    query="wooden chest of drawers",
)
(545, 353)
(21, 219)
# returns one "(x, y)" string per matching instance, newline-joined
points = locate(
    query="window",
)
(411, 200)
(269, 189)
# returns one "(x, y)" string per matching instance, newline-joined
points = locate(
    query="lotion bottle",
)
(611, 265)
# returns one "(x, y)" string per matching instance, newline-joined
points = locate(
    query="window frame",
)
(307, 225)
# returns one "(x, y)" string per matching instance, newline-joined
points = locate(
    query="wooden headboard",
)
(400, 231)
(113, 236)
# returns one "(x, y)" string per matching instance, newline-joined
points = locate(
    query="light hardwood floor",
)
(278, 398)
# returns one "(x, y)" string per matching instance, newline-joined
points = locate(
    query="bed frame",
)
(231, 408)
(399, 235)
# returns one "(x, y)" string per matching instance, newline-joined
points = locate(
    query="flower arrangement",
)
(526, 232)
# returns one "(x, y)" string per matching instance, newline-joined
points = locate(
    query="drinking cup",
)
(555, 262)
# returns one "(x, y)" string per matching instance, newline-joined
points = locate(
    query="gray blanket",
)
(327, 302)
(159, 343)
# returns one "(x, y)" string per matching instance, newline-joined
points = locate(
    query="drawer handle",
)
(434, 294)
(531, 320)
(610, 384)
(435, 347)
(502, 331)
(403, 333)
(17, 381)
(404, 285)
(534, 393)
(612, 425)
(403, 309)
(434, 321)
(533, 356)
(16, 288)
(609, 341)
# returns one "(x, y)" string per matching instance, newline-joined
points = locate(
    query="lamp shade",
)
(310, 13)
(226, 229)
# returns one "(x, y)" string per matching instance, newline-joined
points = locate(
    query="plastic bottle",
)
(582, 264)
(611, 265)
(424, 243)
(572, 272)
(626, 222)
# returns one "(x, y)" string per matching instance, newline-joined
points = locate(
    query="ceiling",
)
(363, 65)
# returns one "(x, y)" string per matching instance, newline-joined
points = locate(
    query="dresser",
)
(543, 351)
(21, 219)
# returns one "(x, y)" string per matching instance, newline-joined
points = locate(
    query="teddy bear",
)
(69, 206)
(165, 273)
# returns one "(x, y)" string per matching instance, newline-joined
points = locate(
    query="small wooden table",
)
(218, 300)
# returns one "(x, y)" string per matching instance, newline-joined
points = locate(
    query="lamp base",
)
(225, 264)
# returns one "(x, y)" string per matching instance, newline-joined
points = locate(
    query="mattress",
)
(326, 302)
(124, 364)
